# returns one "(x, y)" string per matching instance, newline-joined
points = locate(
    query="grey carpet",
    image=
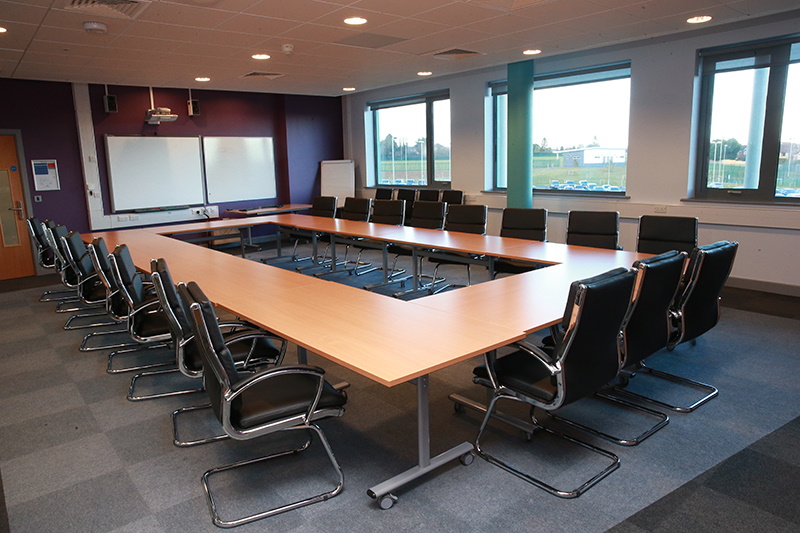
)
(77, 456)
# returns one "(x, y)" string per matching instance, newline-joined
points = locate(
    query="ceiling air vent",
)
(270, 75)
(128, 9)
(455, 53)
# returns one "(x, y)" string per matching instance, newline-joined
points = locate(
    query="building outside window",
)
(749, 127)
(412, 140)
(580, 130)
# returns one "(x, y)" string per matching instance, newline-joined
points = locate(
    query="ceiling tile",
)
(503, 25)
(18, 35)
(551, 12)
(22, 13)
(299, 10)
(406, 8)
(758, 7)
(183, 15)
(655, 9)
(72, 20)
(258, 25)
(439, 41)
(410, 28)
(318, 33)
(458, 14)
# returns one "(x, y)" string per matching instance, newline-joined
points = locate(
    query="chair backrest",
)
(466, 218)
(428, 215)
(53, 234)
(452, 196)
(595, 316)
(383, 193)
(648, 329)
(44, 252)
(98, 253)
(215, 355)
(428, 195)
(522, 223)
(697, 303)
(409, 195)
(356, 209)
(389, 212)
(323, 206)
(658, 234)
(599, 229)
(77, 255)
(127, 277)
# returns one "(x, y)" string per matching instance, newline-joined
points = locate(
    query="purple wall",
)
(44, 113)
(306, 130)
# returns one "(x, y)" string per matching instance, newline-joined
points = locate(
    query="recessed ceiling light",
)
(699, 20)
(3, 30)
(355, 21)
(349, 89)
(260, 56)
(424, 73)
(202, 78)
(532, 52)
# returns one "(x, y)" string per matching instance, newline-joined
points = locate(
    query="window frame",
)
(430, 142)
(564, 78)
(778, 50)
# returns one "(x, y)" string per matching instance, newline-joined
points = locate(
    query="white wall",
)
(660, 157)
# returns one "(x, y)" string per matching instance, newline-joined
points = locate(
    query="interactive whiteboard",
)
(239, 168)
(154, 172)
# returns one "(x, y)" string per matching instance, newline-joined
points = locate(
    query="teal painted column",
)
(520, 134)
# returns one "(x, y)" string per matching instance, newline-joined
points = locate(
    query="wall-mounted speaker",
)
(110, 103)
(193, 107)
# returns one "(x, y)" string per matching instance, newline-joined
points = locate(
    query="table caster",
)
(458, 407)
(387, 501)
(467, 458)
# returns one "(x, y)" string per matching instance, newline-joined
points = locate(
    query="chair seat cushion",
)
(264, 349)
(520, 371)
(281, 397)
(150, 324)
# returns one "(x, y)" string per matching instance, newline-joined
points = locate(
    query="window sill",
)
(788, 202)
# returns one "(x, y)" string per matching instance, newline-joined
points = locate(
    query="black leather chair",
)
(91, 292)
(428, 215)
(69, 278)
(583, 360)
(452, 197)
(659, 234)
(384, 193)
(696, 309)
(428, 195)
(45, 257)
(599, 229)
(251, 405)
(383, 212)
(146, 322)
(356, 209)
(648, 331)
(250, 346)
(521, 223)
(321, 206)
(466, 219)
(410, 196)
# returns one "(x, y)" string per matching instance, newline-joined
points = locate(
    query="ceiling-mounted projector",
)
(159, 115)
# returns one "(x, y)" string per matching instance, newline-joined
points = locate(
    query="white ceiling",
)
(167, 43)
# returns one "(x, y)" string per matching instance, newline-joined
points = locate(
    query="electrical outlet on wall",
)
(212, 211)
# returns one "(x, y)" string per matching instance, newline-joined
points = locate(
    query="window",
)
(580, 130)
(412, 140)
(749, 127)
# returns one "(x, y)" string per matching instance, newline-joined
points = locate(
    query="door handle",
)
(18, 209)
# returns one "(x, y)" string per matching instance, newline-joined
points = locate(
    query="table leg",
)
(278, 240)
(302, 355)
(425, 463)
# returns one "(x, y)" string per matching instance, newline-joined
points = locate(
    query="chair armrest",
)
(554, 367)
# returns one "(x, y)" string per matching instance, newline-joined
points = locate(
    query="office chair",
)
(452, 197)
(465, 219)
(250, 405)
(356, 209)
(250, 346)
(581, 362)
(410, 196)
(599, 229)
(146, 322)
(53, 234)
(521, 223)
(428, 215)
(92, 293)
(45, 256)
(658, 234)
(321, 206)
(648, 331)
(428, 195)
(383, 212)
(384, 193)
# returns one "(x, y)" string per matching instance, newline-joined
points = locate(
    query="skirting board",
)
(765, 286)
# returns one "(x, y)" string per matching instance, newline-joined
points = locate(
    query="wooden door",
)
(16, 257)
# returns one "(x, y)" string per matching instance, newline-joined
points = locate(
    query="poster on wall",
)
(45, 174)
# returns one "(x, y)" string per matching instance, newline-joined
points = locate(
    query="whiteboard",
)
(154, 172)
(338, 179)
(239, 168)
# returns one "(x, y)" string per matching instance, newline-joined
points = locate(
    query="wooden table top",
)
(258, 211)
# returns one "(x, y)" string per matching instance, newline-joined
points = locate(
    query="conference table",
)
(387, 340)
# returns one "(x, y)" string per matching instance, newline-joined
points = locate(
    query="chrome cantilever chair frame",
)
(44, 256)
(87, 284)
(229, 393)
